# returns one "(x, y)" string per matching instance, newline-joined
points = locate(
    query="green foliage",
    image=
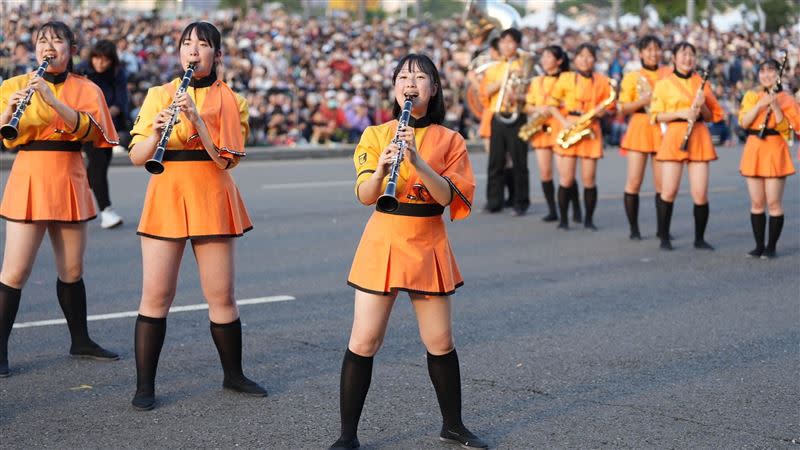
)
(439, 9)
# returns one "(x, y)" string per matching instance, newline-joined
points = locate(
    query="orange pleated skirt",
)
(485, 129)
(768, 158)
(700, 148)
(545, 139)
(48, 186)
(642, 136)
(588, 147)
(404, 253)
(193, 200)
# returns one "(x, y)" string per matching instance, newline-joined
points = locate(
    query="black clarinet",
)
(388, 201)
(10, 131)
(685, 143)
(154, 165)
(762, 132)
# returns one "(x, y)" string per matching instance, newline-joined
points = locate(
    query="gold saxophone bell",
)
(583, 126)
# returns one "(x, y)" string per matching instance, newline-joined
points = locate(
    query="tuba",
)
(583, 126)
(483, 19)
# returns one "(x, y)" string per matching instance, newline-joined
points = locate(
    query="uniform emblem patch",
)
(362, 158)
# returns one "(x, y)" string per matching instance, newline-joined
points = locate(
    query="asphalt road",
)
(567, 339)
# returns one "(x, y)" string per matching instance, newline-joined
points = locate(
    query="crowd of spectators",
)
(322, 80)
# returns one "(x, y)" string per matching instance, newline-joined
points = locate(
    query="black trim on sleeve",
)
(363, 172)
(457, 191)
(88, 130)
(77, 122)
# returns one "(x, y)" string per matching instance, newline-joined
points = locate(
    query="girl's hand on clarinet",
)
(764, 101)
(39, 85)
(161, 120)
(15, 99)
(187, 107)
(386, 158)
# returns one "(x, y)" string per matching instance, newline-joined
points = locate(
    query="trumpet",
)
(154, 165)
(388, 201)
(10, 131)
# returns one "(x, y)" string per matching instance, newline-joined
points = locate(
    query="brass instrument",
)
(583, 126)
(388, 201)
(643, 89)
(510, 98)
(154, 165)
(685, 142)
(482, 19)
(10, 131)
(762, 132)
(537, 122)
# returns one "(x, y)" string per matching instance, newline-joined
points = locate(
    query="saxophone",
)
(537, 122)
(583, 126)
(644, 89)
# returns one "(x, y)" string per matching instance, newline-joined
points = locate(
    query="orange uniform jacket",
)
(769, 157)
(579, 94)
(409, 250)
(540, 93)
(642, 135)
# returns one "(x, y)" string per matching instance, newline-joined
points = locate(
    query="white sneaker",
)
(109, 218)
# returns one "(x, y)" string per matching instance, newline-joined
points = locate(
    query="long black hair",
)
(682, 45)
(423, 64)
(61, 30)
(106, 49)
(559, 54)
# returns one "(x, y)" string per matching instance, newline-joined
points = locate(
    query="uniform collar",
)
(650, 68)
(588, 74)
(422, 122)
(204, 82)
(680, 75)
(55, 78)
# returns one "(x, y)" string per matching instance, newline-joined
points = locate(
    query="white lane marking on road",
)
(174, 309)
(321, 184)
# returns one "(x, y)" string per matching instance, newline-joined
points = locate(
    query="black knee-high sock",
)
(657, 200)
(147, 341)
(759, 224)
(353, 387)
(9, 304)
(775, 228)
(549, 195)
(575, 198)
(590, 200)
(72, 298)
(228, 340)
(563, 204)
(700, 222)
(632, 211)
(664, 218)
(446, 378)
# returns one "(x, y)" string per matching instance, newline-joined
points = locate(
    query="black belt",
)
(767, 132)
(417, 210)
(51, 146)
(574, 113)
(186, 155)
(640, 111)
(684, 120)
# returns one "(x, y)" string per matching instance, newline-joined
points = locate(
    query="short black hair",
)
(495, 43)
(61, 30)
(682, 45)
(515, 34)
(106, 49)
(587, 46)
(436, 104)
(558, 53)
(769, 62)
(648, 39)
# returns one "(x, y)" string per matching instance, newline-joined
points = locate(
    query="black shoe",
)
(93, 351)
(769, 254)
(144, 401)
(344, 444)
(755, 253)
(518, 212)
(563, 226)
(590, 226)
(245, 386)
(4, 370)
(669, 236)
(464, 438)
(665, 244)
(509, 203)
(703, 245)
(577, 216)
(635, 235)
(552, 217)
(487, 210)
